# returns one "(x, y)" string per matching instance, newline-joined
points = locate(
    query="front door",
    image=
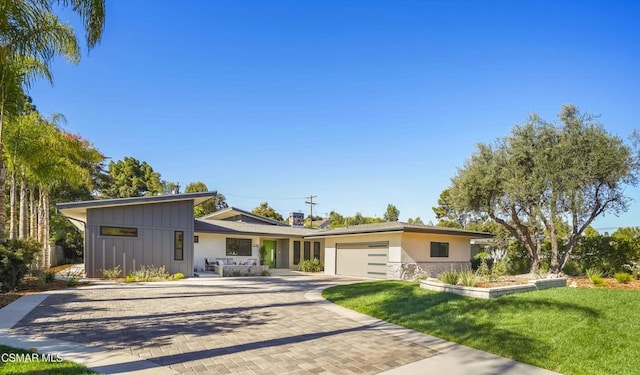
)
(270, 253)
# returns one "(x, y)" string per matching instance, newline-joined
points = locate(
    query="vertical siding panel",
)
(138, 215)
(107, 215)
(165, 210)
(156, 210)
(127, 216)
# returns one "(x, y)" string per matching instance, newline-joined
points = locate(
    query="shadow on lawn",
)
(490, 325)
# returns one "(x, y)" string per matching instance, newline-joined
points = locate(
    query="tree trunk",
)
(13, 192)
(46, 240)
(23, 223)
(33, 212)
(40, 232)
(3, 198)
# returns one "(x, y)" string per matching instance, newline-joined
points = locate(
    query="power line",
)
(263, 198)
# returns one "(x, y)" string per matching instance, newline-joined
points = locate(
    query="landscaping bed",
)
(610, 283)
(568, 330)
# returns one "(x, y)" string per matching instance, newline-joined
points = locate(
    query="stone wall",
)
(411, 271)
(233, 270)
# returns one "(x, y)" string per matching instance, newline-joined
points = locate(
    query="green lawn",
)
(9, 365)
(568, 330)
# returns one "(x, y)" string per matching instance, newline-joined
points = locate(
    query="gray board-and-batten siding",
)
(156, 224)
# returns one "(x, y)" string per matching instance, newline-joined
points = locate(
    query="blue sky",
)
(362, 103)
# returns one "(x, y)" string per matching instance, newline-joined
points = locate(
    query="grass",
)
(568, 330)
(36, 367)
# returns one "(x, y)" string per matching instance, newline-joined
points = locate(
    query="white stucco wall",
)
(394, 239)
(212, 246)
(416, 248)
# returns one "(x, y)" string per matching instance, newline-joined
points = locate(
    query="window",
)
(118, 231)
(296, 252)
(196, 239)
(178, 245)
(439, 249)
(239, 246)
(316, 250)
(307, 250)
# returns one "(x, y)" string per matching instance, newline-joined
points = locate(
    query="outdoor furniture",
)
(207, 265)
(252, 262)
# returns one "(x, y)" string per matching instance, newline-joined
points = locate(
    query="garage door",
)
(364, 259)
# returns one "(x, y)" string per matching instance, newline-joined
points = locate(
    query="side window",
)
(296, 252)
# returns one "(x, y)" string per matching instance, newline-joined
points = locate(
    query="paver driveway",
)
(249, 326)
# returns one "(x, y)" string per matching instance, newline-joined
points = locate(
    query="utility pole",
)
(311, 204)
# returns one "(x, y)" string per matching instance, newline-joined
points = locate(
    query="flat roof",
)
(398, 226)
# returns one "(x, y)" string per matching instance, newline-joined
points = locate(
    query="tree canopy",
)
(130, 178)
(267, 211)
(212, 205)
(543, 175)
(392, 213)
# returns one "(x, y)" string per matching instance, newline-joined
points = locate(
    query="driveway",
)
(221, 326)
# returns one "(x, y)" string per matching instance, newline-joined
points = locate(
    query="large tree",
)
(544, 175)
(267, 211)
(214, 204)
(31, 35)
(392, 213)
(130, 178)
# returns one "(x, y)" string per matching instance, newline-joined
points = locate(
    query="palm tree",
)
(31, 35)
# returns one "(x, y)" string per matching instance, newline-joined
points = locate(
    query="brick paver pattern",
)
(222, 326)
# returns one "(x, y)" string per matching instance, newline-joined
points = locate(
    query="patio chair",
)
(207, 265)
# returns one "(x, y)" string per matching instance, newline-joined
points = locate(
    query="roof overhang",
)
(76, 212)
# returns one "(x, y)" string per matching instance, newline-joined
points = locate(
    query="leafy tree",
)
(336, 220)
(543, 175)
(214, 204)
(130, 178)
(447, 215)
(358, 219)
(31, 35)
(267, 211)
(417, 220)
(392, 213)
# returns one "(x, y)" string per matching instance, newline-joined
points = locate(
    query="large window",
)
(307, 250)
(239, 246)
(178, 245)
(439, 249)
(296, 252)
(316, 250)
(118, 231)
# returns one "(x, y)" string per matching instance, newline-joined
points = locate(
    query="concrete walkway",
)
(233, 325)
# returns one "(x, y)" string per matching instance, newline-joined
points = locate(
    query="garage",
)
(363, 259)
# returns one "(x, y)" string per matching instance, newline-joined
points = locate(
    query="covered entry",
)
(364, 259)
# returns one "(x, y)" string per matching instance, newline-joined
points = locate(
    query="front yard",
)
(568, 330)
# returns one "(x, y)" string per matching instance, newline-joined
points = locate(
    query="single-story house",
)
(162, 231)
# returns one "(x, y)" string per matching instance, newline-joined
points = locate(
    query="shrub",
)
(449, 277)
(477, 260)
(72, 282)
(177, 276)
(265, 273)
(147, 273)
(499, 269)
(236, 274)
(112, 273)
(313, 265)
(572, 268)
(49, 277)
(623, 277)
(595, 276)
(15, 258)
(130, 279)
(484, 269)
(468, 278)
(594, 272)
